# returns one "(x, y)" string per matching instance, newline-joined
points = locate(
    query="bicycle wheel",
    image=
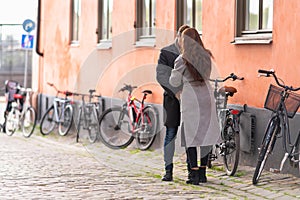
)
(65, 125)
(231, 150)
(298, 156)
(93, 124)
(48, 121)
(100, 108)
(28, 122)
(147, 126)
(78, 124)
(295, 152)
(115, 128)
(12, 121)
(266, 148)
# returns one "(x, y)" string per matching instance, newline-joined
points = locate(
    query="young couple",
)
(183, 70)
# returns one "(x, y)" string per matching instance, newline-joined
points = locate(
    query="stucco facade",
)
(84, 66)
(68, 65)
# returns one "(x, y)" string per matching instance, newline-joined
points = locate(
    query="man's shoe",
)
(168, 176)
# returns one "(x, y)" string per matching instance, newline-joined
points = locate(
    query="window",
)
(104, 31)
(254, 21)
(145, 22)
(75, 15)
(189, 12)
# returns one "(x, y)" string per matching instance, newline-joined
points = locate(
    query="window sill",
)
(253, 39)
(74, 43)
(146, 41)
(104, 44)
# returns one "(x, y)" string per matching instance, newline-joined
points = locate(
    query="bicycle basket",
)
(292, 102)
(11, 89)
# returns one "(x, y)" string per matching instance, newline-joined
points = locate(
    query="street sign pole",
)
(28, 26)
(26, 66)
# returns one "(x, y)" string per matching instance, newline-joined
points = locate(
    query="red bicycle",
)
(119, 125)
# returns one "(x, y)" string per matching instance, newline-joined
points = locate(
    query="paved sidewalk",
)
(54, 167)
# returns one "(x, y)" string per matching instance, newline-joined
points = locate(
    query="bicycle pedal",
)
(273, 170)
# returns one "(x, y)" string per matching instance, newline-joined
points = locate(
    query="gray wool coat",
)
(200, 125)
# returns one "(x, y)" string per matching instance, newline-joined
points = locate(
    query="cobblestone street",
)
(55, 167)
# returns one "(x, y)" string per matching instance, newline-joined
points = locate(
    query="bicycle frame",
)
(60, 103)
(278, 124)
(26, 104)
(134, 112)
(224, 112)
(87, 111)
(16, 104)
(229, 120)
(56, 113)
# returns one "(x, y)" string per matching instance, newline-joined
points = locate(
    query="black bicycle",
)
(229, 120)
(89, 114)
(284, 103)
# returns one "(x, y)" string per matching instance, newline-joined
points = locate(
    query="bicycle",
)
(119, 125)
(21, 116)
(89, 115)
(229, 120)
(283, 103)
(60, 113)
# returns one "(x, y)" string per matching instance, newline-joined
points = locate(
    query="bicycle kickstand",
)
(286, 155)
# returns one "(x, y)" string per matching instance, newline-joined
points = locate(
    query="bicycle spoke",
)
(48, 123)
(66, 123)
(147, 128)
(29, 122)
(114, 132)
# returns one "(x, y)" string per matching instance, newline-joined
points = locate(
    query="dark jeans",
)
(192, 155)
(169, 147)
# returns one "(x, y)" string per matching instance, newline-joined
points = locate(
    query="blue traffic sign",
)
(27, 41)
(28, 25)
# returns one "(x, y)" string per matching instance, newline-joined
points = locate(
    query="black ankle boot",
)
(194, 177)
(168, 176)
(202, 174)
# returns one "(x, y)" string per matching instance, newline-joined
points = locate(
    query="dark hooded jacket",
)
(171, 104)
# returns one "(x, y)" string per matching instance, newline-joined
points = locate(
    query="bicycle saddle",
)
(147, 92)
(228, 90)
(92, 91)
(18, 96)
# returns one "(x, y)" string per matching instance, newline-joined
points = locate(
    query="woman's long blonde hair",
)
(197, 58)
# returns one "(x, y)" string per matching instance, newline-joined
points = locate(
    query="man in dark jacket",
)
(171, 104)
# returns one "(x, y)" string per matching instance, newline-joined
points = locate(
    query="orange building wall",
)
(282, 55)
(61, 62)
(84, 67)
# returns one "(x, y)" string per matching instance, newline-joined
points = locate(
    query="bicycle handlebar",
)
(67, 93)
(272, 72)
(231, 76)
(128, 88)
(91, 95)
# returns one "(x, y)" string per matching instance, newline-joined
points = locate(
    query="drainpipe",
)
(37, 48)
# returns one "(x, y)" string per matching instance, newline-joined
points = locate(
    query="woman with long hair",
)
(199, 126)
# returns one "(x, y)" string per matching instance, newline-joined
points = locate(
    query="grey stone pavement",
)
(55, 167)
